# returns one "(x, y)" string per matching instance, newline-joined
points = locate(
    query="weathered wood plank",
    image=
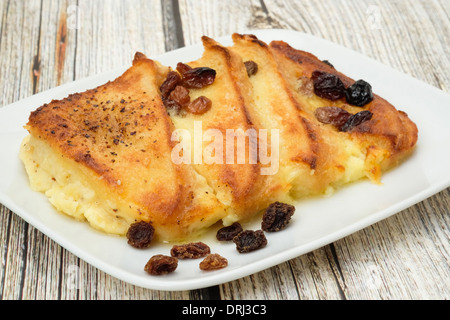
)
(18, 47)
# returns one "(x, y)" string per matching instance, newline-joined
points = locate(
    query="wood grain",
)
(46, 43)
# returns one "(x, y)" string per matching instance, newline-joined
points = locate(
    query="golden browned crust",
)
(241, 186)
(120, 134)
(390, 132)
(118, 137)
(389, 127)
(304, 155)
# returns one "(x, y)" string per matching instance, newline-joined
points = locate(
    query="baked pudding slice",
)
(104, 156)
(378, 135)
(231, 136)
(318, 157)
(219, 138)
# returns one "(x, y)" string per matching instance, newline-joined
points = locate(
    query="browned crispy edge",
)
(228, 176)
(316, 150)
(398, 133)
(50, 124)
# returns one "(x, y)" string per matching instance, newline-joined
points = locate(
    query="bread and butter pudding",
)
(107, 155)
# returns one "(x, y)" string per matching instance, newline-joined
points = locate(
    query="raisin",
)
(171, 105)
(332, 115)
(198, 77)
(192, 250)
(328, 86)
(182, 68)
(228, 233)
(356, 120)
(140, 234)
(199, 106)
(328, 63)
(250, 240)
(160, 264)
(180, 95)
(213, 261)
(277, 216)
(172, 80)
(305, 86)
(359, 94)
(251, 66)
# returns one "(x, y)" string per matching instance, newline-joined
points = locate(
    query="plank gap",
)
(35, 70)
(5, 255)
(339, 271)
(172, 25)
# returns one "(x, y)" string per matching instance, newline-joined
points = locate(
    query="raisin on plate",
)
(193, 250)
(250, 240)
(277, 216)
(140, 234)
(160, 264)
(213, 261)
(229, 232)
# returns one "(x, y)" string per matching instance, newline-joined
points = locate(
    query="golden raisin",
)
(213, 261)
(198, 77)
(192, 250)
(182, 67)
(180, 95)
(199, 106)
(160, 264)
(172, 80)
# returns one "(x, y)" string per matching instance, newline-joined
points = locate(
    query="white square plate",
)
(317, 221)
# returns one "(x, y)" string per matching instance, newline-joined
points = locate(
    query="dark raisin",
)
(181, 96)
(199, 106)
(328, 63)
(251, 66)
(356, 119)
(172, 80)
(198, 77)
(160, 264)
(328, 86)
(277, 216)
(228, 233)
(192, 250)
(140, 234)
(250, 240)
(182, 68)
(359, 94)
(332, 115)
(213, 261)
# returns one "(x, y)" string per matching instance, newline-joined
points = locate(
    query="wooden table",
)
(45, 43)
